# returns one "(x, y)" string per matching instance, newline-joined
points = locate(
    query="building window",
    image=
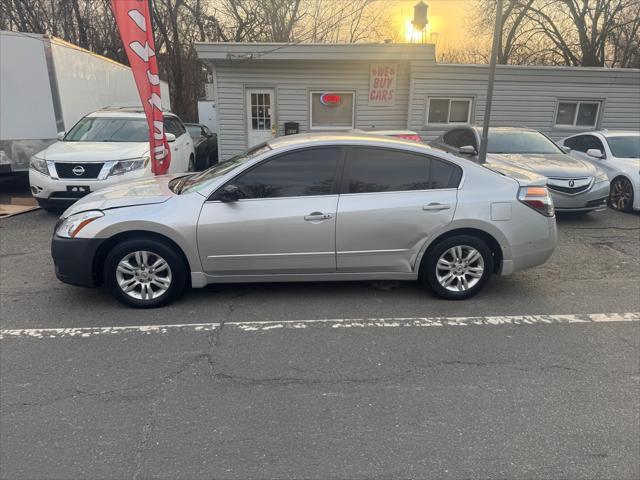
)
(332, 110)
(444, 111)
(577, 113)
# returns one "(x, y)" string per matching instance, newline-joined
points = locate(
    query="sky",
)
(448, 20)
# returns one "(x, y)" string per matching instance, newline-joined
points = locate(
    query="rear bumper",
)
(532, 253)
(74, 260)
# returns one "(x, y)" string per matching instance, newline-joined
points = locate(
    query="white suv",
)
(104, 148)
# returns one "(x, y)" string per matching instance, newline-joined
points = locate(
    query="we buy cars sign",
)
(134, 23)
(382, 84)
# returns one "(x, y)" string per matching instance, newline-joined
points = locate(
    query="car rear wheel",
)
(621, 194)
(457, 267)
(144, 273)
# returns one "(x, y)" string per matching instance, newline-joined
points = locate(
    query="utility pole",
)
(497, 34)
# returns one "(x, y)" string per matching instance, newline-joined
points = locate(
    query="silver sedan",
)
(309, 208)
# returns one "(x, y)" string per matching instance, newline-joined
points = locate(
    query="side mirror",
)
(61, 135)
(595, 153)
(229, 193)
(467, 150)
(565, 149)
(170, 137)
(209, 134)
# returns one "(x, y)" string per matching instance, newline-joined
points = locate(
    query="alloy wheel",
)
(460, 268)
(621, 194)
(143, 275)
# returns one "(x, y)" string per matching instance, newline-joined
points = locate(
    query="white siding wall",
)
(292, 81)
(527, 96)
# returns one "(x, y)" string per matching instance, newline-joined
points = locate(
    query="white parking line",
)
(253, 326)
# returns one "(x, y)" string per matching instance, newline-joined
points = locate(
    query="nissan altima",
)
(309, 208)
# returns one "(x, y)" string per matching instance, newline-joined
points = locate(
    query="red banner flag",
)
(134, 22)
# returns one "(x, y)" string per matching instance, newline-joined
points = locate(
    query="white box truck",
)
(46, 86)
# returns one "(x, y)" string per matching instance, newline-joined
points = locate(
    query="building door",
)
(260, 115)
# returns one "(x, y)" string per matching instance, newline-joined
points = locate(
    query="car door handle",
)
(317, 217)
(436, 207)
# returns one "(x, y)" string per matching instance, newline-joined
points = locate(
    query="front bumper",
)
(593, 199)
(54, 193)
(74, 260)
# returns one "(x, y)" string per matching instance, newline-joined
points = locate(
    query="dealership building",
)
(262, 90)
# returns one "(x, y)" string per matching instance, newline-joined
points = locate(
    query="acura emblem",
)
(79, 170)
(572, 183)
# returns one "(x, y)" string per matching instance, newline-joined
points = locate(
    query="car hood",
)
(94, 151)
(138, 192)
(550, 165)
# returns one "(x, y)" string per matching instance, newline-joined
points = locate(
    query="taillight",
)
(537, 198)
(415, 138)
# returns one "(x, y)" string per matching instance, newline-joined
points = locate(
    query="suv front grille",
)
(78, 170)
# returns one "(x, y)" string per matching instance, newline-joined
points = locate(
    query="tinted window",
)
(383, 170)
(625, 147)
(173, 125)
(295, 174)
(576, 143)
(460, 137)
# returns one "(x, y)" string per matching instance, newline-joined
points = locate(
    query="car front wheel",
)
(144, 273)
(458, 267)
(621, 194)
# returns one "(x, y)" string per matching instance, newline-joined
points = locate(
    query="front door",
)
(260, 115)
(285, 222)
(392, 201)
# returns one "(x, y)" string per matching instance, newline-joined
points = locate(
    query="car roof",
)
(478, 128)
(309, 139)
(123, 112)
(617, 133)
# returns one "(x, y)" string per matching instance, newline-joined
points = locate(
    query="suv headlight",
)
(124, 166)
(71, 226)
(39, 165)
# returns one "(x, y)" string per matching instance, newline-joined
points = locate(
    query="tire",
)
(621, 194)
(192, 164)
(165, 284)
(436, 275)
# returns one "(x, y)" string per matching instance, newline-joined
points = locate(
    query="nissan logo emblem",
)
(572, 183)
(78, 170)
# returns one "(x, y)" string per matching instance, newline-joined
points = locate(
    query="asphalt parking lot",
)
(297, 381)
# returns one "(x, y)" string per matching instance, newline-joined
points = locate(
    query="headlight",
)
(39, 165)
(71, 226)
(601, 176)
(125, 166)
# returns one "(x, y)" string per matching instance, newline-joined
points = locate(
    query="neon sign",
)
(330, 99)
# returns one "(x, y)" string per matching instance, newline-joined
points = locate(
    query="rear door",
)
(283, 224)
(391, 201)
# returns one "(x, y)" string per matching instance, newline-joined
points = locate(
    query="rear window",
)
(625, 147)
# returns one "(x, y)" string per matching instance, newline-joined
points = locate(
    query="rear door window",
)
(384, 170)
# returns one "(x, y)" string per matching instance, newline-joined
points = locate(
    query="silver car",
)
(575, 185)
(309, 208)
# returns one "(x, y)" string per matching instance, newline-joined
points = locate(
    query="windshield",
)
(520, 142)
(195, 182)
(106, 129)
(625, 147)
(194, 130)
